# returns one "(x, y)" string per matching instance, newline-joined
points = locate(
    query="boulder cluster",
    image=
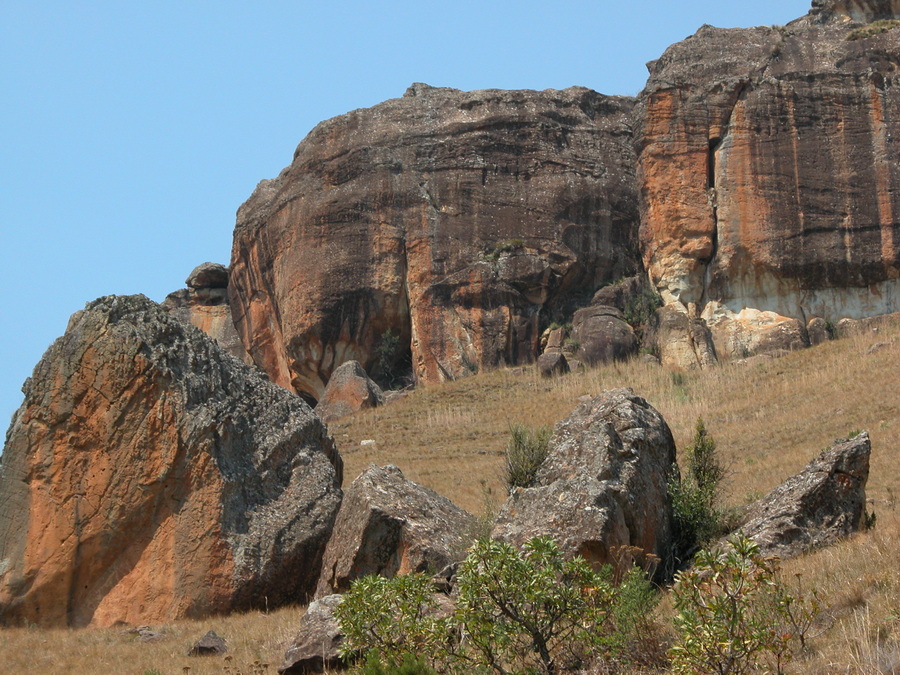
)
(166, 461)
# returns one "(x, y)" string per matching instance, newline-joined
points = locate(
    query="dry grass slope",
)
(769, 417)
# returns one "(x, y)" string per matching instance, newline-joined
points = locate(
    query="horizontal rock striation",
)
(148, 476)
(450, 220)
(770, 191)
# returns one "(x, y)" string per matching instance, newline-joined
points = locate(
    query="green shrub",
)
(390, 620)
(641, 307)
(696, 517)
(533, 610)
(735, 615)
(526, 451)
(517, 612)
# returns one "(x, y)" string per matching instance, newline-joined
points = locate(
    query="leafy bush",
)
(526, 451)
(640, 307)
(526, 611)
(735, 615)
(390, 620)
(695, 513)
(517, 612)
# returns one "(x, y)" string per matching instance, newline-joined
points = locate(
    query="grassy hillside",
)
(769, 417)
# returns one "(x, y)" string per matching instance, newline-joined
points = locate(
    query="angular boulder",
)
(204, 304)
(768, 175)
(603, 485)
(316, 647)
(389, 525)
(349, 390)
(552, 363)
(453, 220)
(820, 505)
(148, 476)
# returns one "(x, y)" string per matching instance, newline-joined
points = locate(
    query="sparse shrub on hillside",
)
(736, 615)
(390, 620)
(528, 611)
(697, 518)
(526, 451)
(872, 29)
(640, 307)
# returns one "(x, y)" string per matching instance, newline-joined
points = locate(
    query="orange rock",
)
(147, 477)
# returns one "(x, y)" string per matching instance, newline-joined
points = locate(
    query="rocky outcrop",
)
(204, 304)
(317, 644)
(820, 505)
(552, 363)
(453, 220)
(769, 188)
(148, 476)
(603, 485)
(349, 390)
(388, 525)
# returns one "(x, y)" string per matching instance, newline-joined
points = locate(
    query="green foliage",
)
(526, 451)
(517, 612)
(735, 615)
(695, 513)
(391, 618)
(529, 611)
(387, 358)
(410, 665)
(872, 29)
(641, 307)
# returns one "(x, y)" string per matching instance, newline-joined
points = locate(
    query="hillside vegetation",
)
(768, 416)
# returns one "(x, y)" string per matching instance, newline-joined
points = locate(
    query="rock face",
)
(348, 391)
(388, 525)
(769, 188)
(454, 220)
(148, 476)
(204, 304)
(820, 505)
(603, 485)
(318, 641)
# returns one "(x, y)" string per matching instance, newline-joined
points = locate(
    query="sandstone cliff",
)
(455, 221)
(769, 183)
(148, 476)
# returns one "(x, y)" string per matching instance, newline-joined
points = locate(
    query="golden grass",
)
(769, 417)
(254, 640)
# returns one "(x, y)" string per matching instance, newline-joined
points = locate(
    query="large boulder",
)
(603, 485)
(316, 647)
(768, 175)
(602, 335)
(452, 220)
(389, 525)
(148, 476)
(204, 304)
(820, 505)
(349, 390)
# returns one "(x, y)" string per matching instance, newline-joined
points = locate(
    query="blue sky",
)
(130, 132)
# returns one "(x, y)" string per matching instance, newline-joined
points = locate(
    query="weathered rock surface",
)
(389, 525)
(602, 335)
(603, 485)
(349, 390)
(204, 304)
(820, 505)
(211, 644)
(148, 476)
(768, 174)
(552, 363)
(454, 219)
(317, 644)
